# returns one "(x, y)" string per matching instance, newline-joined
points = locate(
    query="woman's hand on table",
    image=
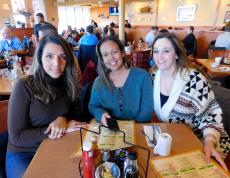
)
(73, 125)
(57, 128)
(210, 150)
(104, 118)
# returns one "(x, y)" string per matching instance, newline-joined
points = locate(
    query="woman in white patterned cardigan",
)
(183, 95)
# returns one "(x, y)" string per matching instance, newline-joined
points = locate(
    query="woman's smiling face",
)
(112, 55)
(164, 54)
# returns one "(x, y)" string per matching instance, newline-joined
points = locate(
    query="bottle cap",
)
(87, 146)
(132, 155)
(93, 138)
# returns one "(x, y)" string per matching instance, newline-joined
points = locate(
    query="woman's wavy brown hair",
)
(182, 61)
(38, 79)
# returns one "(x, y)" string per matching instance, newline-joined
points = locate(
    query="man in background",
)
(223, 40)
(9, 42)
(190, 41)
(127, 24)
(90, 38)
(149, 38)
(87, 56)
(41, 21)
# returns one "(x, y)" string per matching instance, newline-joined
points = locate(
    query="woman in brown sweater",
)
(42, 104)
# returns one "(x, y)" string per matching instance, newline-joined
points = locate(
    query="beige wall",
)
(104, 18)
(136, 17)
(51, 11)
(223, 9)
(5, 12)
(205, 12)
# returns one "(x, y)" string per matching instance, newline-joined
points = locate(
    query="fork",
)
(151, 141)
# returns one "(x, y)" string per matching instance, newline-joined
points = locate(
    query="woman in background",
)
(120, 90)
(42, 104)
(183, 95)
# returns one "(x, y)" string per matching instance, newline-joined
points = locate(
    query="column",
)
(122, 20)
(156, 12)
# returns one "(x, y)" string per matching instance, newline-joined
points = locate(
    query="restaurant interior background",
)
(208, 13)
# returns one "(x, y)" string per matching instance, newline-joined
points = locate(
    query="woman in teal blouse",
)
(120, 90)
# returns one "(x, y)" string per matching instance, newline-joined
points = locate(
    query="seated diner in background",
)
(119, 91)
(183, 95)
(9, 42)
(149, 38)
(43, 104)
(189, 41)
(223, 40)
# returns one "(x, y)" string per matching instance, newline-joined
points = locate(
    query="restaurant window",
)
(77, 17)
(18, 8)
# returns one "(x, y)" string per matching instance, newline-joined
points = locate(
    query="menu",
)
(188, 165)
(109, 139)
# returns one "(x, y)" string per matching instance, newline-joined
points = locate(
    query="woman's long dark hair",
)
(38, 80)
(102, 70)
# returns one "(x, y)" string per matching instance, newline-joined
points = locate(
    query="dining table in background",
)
(214, 72)
(6, 85)
(54, 157)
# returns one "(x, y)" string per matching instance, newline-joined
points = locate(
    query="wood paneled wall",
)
(204, 37)
(21, 32)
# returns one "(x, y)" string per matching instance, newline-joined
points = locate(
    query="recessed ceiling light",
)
(99, 2)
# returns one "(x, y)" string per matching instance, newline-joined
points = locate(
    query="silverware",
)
(151, 141)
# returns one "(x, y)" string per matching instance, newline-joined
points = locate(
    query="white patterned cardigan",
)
(195, 106)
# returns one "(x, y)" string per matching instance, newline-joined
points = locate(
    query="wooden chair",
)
(140, 59)
(3, 115)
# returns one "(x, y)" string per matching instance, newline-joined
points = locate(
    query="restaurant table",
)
(213, 72)
(6, 86)
(54, 157)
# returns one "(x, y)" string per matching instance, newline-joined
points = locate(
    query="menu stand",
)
(131, 144)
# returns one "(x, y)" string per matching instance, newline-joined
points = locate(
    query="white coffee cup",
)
(127, 49)
(164, 143)
(214, 65)
(218, 60)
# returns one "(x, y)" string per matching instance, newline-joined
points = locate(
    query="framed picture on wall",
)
(227, 17)
(186, 13)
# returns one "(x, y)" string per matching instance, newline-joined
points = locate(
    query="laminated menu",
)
(109, 139)
(187, 165)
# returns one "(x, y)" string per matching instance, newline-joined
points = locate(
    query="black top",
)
(164, 99)
(28, 117)
(128, 25)
(189, 43)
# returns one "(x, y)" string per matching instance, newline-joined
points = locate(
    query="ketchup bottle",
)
(87, 160)
(96, 151)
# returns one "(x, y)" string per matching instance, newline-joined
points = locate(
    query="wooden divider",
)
(21, 32)
(204, 37)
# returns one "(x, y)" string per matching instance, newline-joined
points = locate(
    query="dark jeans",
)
(3, 146)
(16, 163)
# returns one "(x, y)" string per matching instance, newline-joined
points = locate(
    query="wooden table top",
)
(53, 158)
(5, 86)
(213, 72)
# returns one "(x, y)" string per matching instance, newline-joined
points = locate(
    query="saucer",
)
(225, 69)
